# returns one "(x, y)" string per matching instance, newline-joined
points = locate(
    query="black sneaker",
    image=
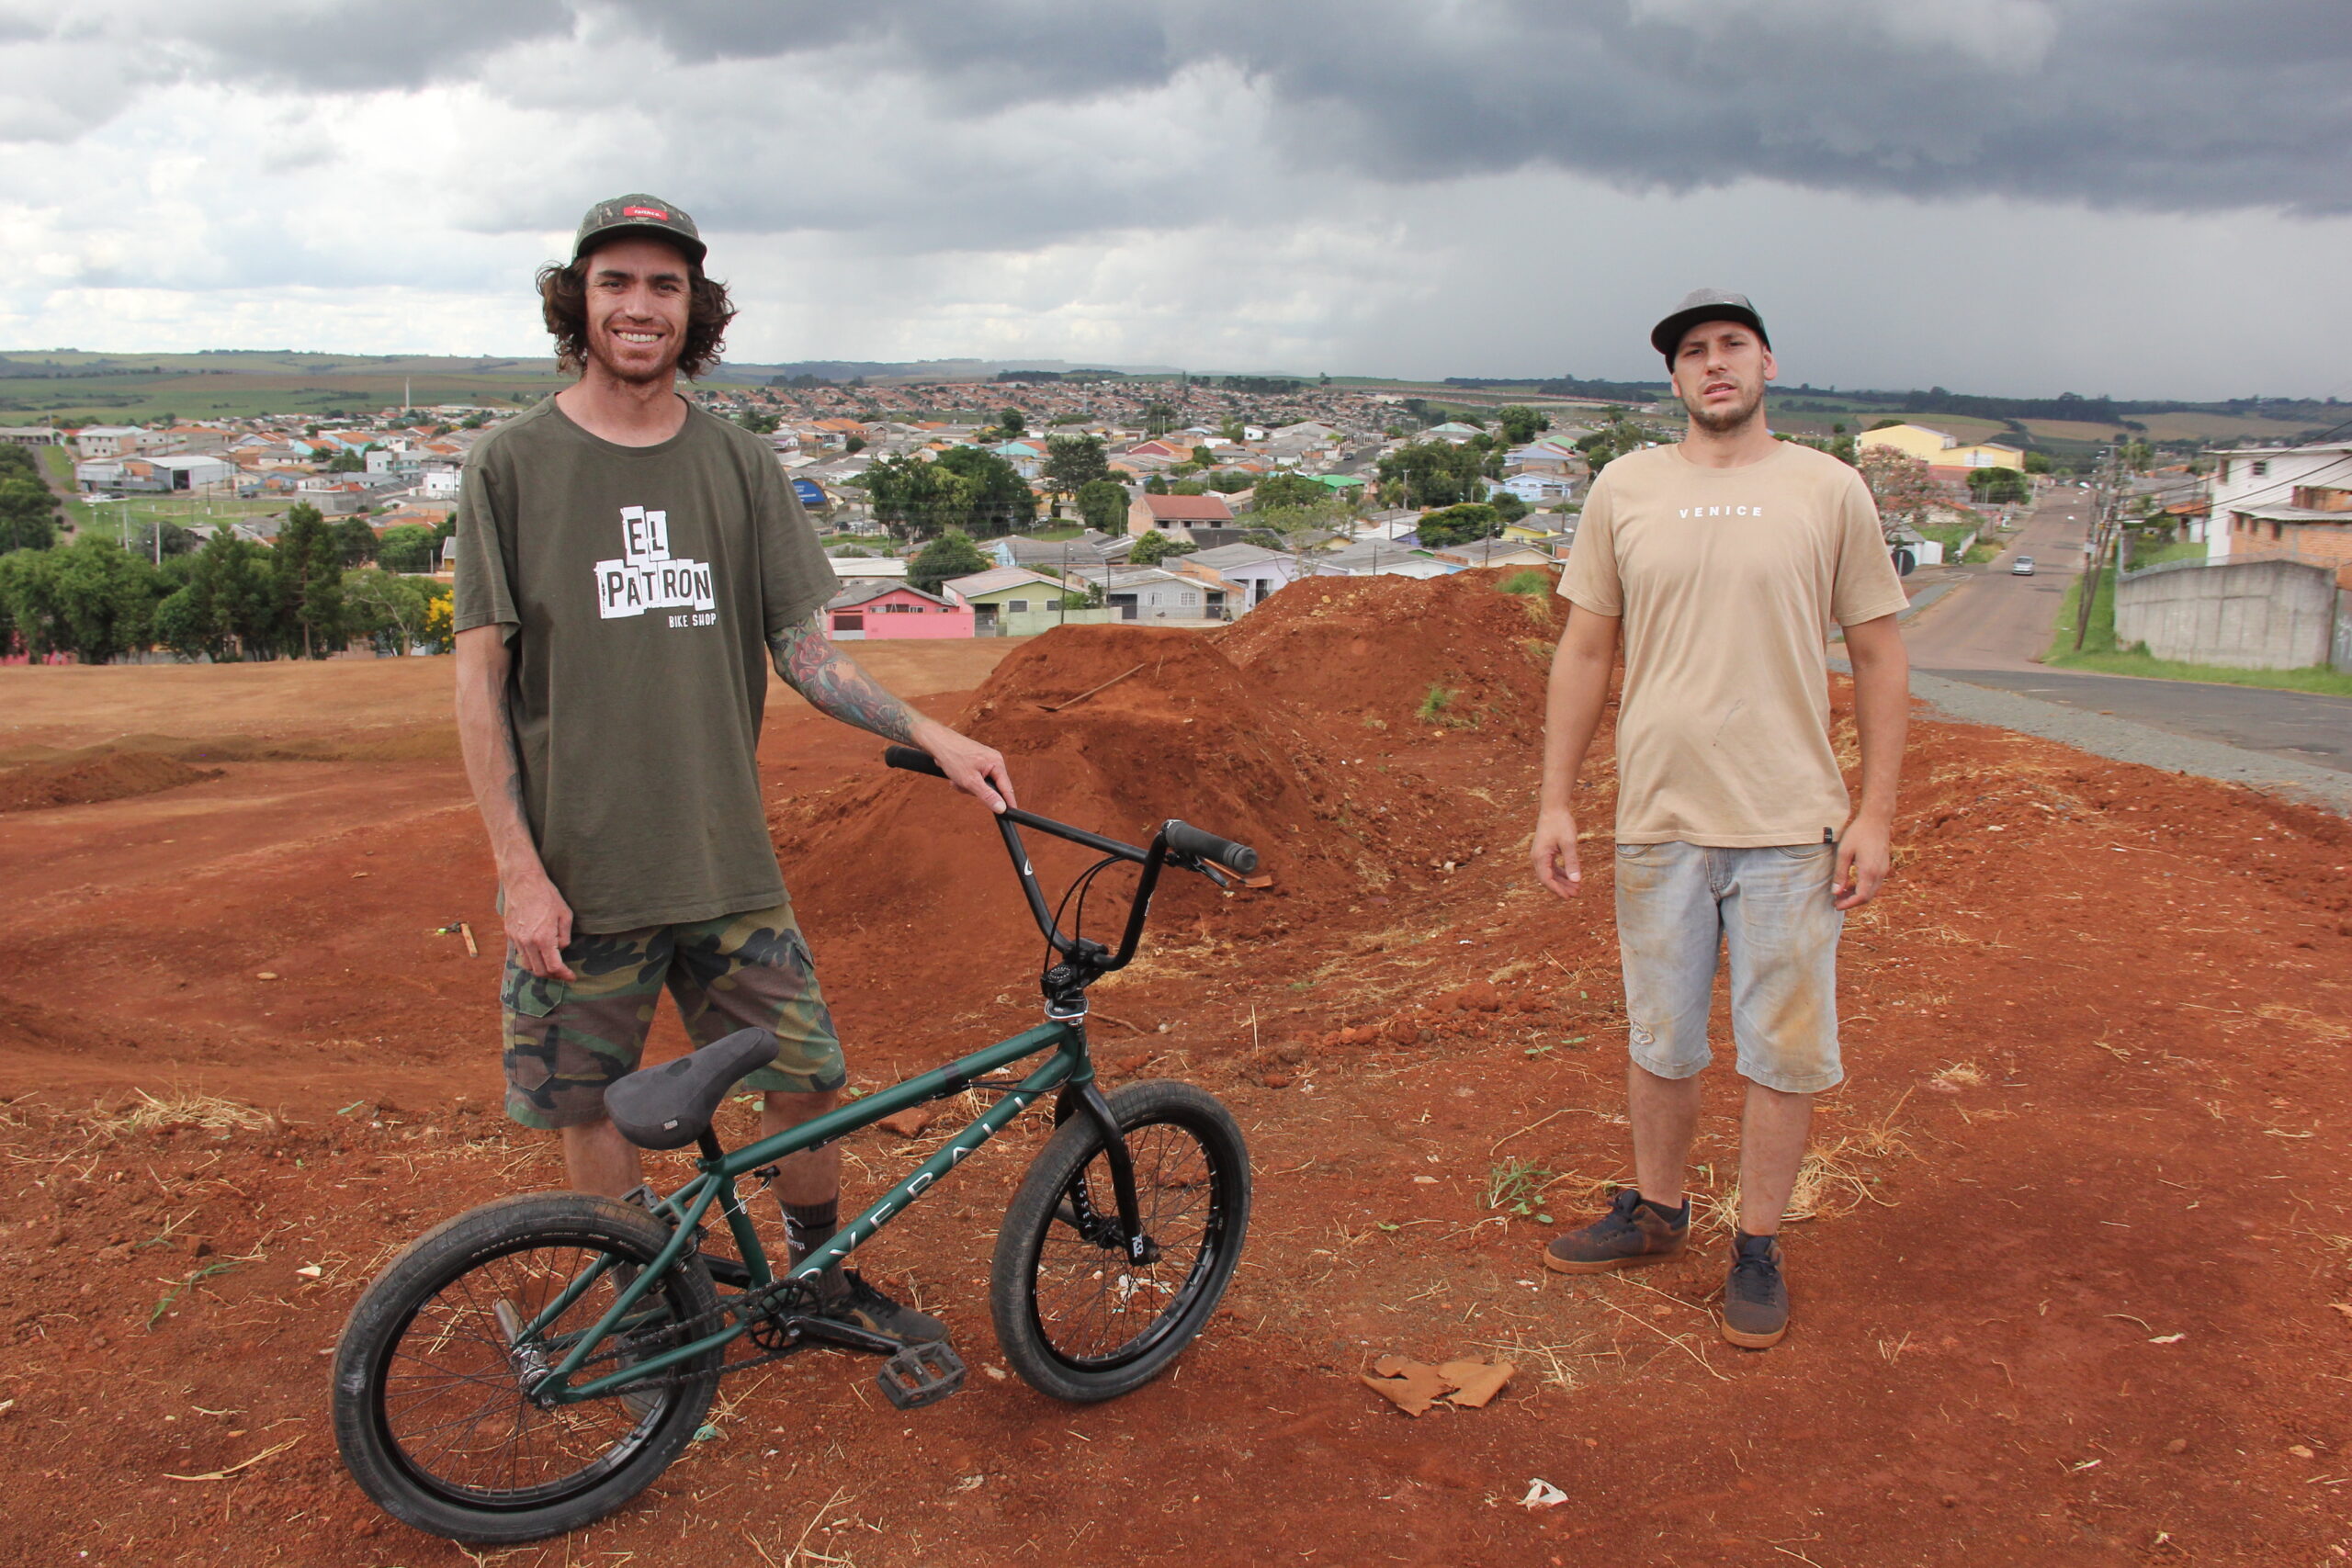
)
(1632, 1233)
(1755, 1299)
(856, 1301)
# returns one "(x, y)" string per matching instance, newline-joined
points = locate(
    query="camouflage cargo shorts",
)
(567, 1040)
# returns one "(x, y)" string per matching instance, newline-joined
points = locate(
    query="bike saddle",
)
(670, 1106)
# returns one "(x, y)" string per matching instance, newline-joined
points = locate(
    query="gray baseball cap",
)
(1705, 305)
(638, 214)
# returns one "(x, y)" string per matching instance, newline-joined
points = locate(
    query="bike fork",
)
(1091, 1104)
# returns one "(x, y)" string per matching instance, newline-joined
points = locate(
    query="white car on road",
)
(2021, 567)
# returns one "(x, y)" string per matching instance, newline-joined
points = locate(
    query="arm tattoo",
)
(814, 666)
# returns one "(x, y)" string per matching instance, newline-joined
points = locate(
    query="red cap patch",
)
(645, 212)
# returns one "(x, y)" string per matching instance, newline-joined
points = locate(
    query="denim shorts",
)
(1678, 904)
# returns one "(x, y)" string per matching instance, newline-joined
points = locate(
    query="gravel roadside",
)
(2126, 741)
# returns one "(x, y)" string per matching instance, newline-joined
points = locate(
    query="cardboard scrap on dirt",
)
(1412, 1387)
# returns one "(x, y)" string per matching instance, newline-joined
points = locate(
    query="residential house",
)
(1175, 514)
(1154, 593)
(1452, 433)
(109, 440)
(1939, 450)
(1534, 488)
(868, 569)
(1003, 592)
(1255, 573)
(876, 611)
(1377, 558)
(1090, 548)
(2282, 500)
(1495, 552)
(439, 481)
(31, 435)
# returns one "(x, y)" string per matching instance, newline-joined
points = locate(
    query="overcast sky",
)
(2142, 198)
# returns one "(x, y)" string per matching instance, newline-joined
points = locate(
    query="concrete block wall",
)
(2251, 615)
(2343, 651)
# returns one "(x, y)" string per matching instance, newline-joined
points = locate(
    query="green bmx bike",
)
(531, 1365)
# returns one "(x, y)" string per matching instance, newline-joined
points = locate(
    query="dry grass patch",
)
(208, 1112)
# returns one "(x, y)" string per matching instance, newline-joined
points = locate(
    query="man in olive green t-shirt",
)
(1721, 560)
(627, 567)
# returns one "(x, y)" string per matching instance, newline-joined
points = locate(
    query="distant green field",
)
(66, 387)
(112, 519)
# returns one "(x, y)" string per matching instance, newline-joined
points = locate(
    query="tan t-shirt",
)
(1728, 580)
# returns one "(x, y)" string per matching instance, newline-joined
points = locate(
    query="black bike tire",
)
(429, 1265)
(1013, 1281)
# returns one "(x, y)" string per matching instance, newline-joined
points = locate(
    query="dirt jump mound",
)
(112, 775)
(1449, 650)
(1112, 728)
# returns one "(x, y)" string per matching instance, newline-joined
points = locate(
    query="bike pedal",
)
(920, 1374)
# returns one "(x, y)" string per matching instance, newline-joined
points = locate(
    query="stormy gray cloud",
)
(1256, 183)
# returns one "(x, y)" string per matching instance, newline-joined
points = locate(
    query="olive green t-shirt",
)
(1728, 580)
(637, 587)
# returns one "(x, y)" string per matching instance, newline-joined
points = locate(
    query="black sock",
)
(807, 1227)
(1671, 1216)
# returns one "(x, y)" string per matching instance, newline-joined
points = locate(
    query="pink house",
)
(881, 610)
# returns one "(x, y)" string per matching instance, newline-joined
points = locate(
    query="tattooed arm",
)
(814, 665)
(538, 921)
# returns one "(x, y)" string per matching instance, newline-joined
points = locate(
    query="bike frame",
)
(1067, 1069)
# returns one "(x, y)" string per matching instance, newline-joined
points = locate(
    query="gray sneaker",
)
(1755, 1299)
(858, 1302)
(1631, 1233)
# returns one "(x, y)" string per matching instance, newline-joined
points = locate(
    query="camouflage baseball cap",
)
(640, 214)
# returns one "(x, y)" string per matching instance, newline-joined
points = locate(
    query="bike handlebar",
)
(1190, 847)
(1197, 845)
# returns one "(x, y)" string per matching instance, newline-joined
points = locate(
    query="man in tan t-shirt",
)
(1721, 560)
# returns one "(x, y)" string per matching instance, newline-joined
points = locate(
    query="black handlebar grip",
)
(913, 762)
(1187, 839)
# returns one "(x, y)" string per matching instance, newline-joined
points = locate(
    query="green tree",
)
(1521, 424)
(1156, 484)
(176, 541)
(226, 608)
(1226, 481)
(1508, 507)
(1102, 505)
(952, 554)
(1433, 473)
(2136, 455)
(1997, 487)
(357, 541)
(1459, 525)
(388, 610)
(1000, 499)
(28, 511)
(92, 598)
(1011, 424)
(407, 547)
(1159, 419)
(347, 462)
(1203, 458)
(1073, 462)
(306, 567)
(30, 602)
(1156, 546)
(2037, 462)
(1289, 490)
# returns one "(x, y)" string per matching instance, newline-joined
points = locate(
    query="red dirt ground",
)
(2078, 1289)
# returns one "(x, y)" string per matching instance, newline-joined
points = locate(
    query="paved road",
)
(1996, 620)
(1985, 631)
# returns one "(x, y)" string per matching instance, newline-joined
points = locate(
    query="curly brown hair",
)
(564, 304)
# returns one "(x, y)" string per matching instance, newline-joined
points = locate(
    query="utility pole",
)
(2095, 551)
